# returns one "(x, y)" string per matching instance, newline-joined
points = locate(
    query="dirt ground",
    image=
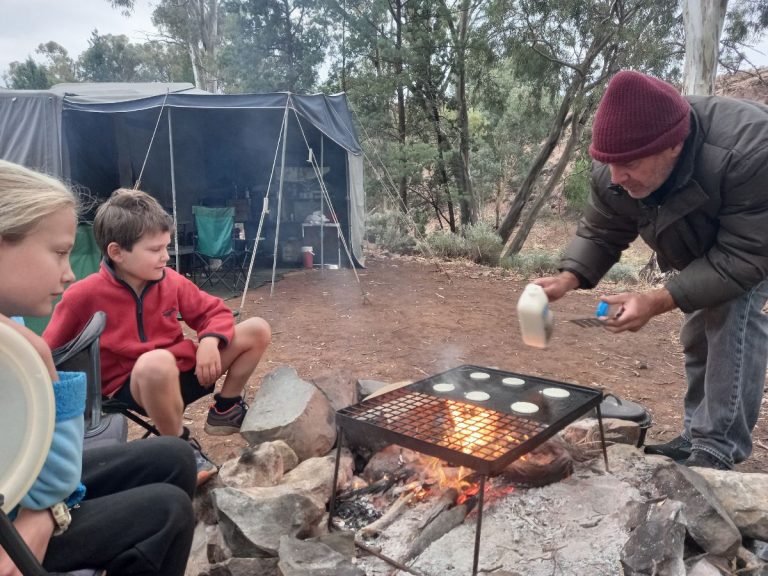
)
(417, 320)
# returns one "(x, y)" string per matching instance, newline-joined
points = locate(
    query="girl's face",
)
(35, 271)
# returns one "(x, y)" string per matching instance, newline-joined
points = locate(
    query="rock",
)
(202, 503)
(217, 550)
(342, 542)
(290, 409)
(367, 387)
(245, 567)
(587, 432)
(198, 559)
(656, 547)
(253, 524)
(744, 498)
(339, 387)
(389, 460)
(261, 465)
(299, 558)
(547, 463)
(705, 518)
(702, 567)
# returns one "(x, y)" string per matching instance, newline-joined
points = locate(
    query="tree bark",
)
(703, 27)
(468, 212)
(516, 242)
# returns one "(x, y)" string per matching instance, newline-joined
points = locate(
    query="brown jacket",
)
(712, 226)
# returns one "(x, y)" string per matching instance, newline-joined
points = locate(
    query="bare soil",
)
(418, 318)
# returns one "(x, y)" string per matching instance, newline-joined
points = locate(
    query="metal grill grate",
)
(453, 425)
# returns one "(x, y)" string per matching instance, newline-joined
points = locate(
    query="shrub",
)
(446, 245)
(623, 273)
(483, 243)
(577, 186)
(390, 230)
(532, 263)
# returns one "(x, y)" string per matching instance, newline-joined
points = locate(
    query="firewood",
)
(446, 500)
(389, 516)
(441, 525)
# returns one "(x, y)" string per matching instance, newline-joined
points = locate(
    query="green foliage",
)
(28, 75)
(577, 185)
(390, 229)
(109, 59)
(445, 244)
(532, 263)
(271, 45)
(484, 243)
(622, 273)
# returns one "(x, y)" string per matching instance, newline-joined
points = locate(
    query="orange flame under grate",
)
(457, 426)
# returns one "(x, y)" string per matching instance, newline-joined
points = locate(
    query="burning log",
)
(389, 516)
(443, 523)
(447, 499)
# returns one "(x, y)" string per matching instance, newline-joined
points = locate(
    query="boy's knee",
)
(257, 331)
(156, 365)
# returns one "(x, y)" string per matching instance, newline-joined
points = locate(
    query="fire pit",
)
(481, 418)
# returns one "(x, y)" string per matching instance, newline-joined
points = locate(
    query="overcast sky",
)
(24, 24)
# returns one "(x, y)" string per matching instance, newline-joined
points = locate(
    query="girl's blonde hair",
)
(26, 197)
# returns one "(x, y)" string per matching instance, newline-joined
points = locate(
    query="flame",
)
(467, 427)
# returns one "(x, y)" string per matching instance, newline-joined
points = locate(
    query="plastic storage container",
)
(536, 319)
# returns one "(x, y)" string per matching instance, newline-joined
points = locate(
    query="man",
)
(690, 176)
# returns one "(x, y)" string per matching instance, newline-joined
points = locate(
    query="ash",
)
(575, 526)
(356, 513)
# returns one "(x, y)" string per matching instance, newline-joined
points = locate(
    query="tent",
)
(188, 147)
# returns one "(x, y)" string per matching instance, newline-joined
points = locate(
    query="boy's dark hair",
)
(126, 216)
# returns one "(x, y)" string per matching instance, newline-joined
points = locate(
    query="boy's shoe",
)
(679, 449)
(703, 459)
(227, 422)
(205, 468)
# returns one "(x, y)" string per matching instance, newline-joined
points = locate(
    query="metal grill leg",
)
(479, 525)
(332, 506)
(602, 436)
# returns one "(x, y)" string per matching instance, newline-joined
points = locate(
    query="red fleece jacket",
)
(138, 324)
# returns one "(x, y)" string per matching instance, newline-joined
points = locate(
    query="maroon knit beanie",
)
(638, 116)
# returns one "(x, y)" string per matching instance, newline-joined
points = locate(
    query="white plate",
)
(524, 407)
(510, 381)
(27, 415)
(479, 376)
(477, 395)
(443, 387)
(556, 392)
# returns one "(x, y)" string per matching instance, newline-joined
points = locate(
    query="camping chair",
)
(214, 255)
(104, 417)
(81, 354)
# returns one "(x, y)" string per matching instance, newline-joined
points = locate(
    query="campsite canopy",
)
(189, 147)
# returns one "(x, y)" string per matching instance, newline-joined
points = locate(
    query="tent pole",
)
(173, 191)
(322, 214)
(280, 195)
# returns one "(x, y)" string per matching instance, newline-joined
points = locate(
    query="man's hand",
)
(555, 287)
(36, 528)
(208, 368)
(637, 308)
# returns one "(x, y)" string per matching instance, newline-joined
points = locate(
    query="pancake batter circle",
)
(524, 407)
(510, 381)
(555, 393)
(479, 376)
(443, 387)
(477, 395)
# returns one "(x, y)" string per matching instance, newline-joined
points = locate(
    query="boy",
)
(146, 362)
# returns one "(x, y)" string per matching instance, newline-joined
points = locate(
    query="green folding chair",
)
(214, 255)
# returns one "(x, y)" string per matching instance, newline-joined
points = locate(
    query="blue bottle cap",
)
(602, 309)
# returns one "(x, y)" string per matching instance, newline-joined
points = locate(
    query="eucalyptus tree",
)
(570, 48)
(272, 45)
(109, 58)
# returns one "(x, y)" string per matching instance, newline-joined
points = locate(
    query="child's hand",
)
(208, 367)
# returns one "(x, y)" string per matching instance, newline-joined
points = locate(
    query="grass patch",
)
(530, 263)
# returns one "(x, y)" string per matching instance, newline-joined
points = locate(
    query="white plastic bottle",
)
(536, 319)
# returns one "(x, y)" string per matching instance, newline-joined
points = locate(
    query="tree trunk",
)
(513, 215)
(468, 212)
(516, 242)
(703, 25)
(401, 127)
